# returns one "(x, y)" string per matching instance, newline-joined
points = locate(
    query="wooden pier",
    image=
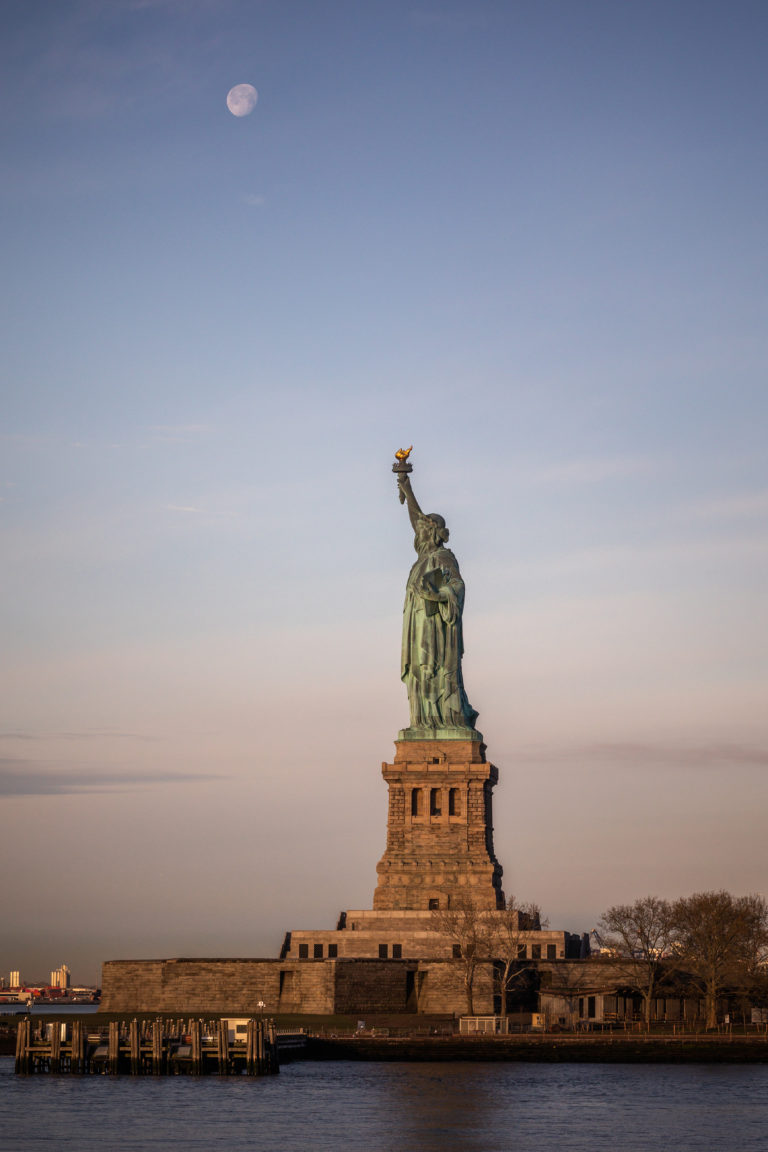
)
(223, 1047)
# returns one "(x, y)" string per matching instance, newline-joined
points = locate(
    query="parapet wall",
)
(226, 986)
(322, 987)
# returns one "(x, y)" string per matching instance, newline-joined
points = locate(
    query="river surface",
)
(48, 1009)
(362, 1107)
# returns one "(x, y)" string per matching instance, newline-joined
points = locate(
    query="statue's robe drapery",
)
(432, 644)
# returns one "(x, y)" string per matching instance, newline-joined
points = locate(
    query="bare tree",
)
(722, 941)
(509, 935)
(469, 931)
(642, 933)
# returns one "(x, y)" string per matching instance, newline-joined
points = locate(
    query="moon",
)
(241, 100)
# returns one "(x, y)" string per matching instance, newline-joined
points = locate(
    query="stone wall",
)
(440, 988)
(218, 986)
(323, 987)
(374, 986)
(439, 828)
(404, 944)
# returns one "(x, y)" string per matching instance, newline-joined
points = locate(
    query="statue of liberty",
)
(432, 632)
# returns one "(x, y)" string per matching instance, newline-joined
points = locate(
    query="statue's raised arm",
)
(406, 491)
(432, 627)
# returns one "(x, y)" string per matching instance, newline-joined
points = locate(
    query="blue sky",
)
(528, 238)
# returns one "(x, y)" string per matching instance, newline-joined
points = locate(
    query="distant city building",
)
(14, 980)
(60, 977)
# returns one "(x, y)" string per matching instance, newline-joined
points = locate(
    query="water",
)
(360, 1107)
(48, 1009)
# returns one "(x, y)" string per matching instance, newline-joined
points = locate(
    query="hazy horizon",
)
(528, 239)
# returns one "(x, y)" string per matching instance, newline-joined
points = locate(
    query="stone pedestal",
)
(439, 828)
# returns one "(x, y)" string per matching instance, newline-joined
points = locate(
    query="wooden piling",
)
(77, 1047)
(157, 1047)
(261, 1047)
(55, 1055)
(250, 1043)
(134, 1047)
(223, 1047)
(113, 1049)
(22, 1046)
(146, 1047)
(194, 1035)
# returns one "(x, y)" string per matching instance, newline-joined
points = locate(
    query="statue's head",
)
(441, 533)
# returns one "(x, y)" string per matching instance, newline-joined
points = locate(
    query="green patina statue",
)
(432, 632)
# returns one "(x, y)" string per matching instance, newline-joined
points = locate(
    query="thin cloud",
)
(605, 559)
(651, 755)
(24, 438)
(105, 734)
(96, 74)
(594, 470)
(254, 200)
(177, 433)
(212, 515)
(745, 506)
(25, 778)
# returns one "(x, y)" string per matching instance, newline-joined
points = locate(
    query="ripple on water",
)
(396, 1108)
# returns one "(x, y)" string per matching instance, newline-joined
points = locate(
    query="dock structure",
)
(225, 1047)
